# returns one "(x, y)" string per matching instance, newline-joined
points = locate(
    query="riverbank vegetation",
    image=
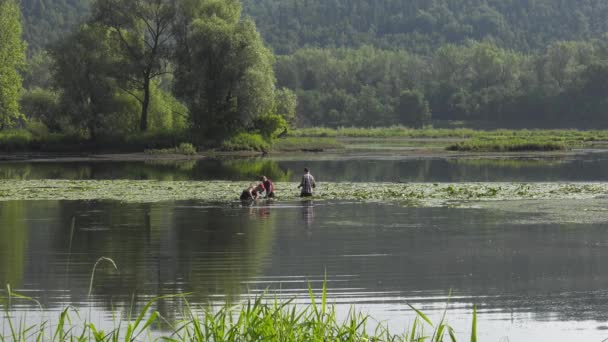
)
(200, 71)
(258, 319)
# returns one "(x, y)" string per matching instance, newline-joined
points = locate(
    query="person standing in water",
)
(307, 185)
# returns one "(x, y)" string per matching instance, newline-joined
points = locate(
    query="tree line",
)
(421, 26)
(564, 85)
(200, 66)
(132, 67)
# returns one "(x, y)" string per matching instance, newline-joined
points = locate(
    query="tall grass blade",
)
(474, 325)
(95, 267)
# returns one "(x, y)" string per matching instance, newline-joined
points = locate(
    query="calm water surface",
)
(532, 282)
(372, 167)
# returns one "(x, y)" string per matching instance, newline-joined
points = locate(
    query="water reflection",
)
(308, 213)
(378, 168)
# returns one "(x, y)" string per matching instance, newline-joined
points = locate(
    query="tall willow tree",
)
(12, 57)
(224, 73)
(142, 30)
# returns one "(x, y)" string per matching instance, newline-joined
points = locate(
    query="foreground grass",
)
(255, 320)
(414, 194)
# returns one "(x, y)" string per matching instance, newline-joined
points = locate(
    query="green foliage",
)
(224, 74)
(245, 142)
(42, 105)
(286, 102)
(413, 109)
(422, 26)
(12, 59)
(183, 148)
(82, 63)
(269, 125)
(48, 21)
(476, 82)
(142, 40)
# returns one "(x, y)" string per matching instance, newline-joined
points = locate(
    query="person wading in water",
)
(307, 185)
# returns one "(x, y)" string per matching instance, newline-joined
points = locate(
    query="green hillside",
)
(417, 25)
(47, 20)
(420, 25)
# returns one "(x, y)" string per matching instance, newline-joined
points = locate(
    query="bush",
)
(245, 142)
(183, 148)
(15, 140)
(269, 125)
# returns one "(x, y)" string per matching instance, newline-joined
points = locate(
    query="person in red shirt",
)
(268, 187)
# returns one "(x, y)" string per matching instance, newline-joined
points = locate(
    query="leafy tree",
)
(82, 63)
(143, 33)
(286, 102)
(224, 73)
(12, 58)
(413, 109)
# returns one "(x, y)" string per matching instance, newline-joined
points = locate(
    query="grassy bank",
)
(256, 320)
(468, 140)
(414, 194)
(311, 140)
(515, 144)
(457, 133)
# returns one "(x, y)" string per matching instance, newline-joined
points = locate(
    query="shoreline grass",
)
(257, 319)
(458, 133)
(515, 144)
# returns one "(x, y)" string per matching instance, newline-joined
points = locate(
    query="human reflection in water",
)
(261, 212)
(308, 214)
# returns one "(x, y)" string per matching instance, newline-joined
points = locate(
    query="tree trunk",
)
(145, 104)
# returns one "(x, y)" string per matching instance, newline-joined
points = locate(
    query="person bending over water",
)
(250, 194)
(307, 185)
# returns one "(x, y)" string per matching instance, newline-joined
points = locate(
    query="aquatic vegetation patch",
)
(291, 144)
(409, 194)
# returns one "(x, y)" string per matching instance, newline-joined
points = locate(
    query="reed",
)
(258, 319)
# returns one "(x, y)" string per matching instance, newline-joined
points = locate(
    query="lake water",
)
(346, 167)
(531, 281)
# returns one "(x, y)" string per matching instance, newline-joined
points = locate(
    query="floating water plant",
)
(421, 194)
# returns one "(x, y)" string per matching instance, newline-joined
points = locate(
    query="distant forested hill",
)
(421, 25)
(46, 20)
(416, 25)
